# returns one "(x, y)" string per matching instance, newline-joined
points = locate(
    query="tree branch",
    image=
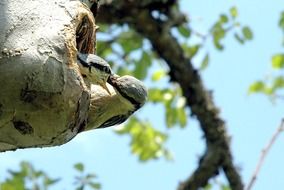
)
(218, 154)
(264, 153)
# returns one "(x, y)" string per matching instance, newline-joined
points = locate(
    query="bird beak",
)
(105, 87)
(112, 78)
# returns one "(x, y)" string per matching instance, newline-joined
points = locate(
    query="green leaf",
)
(218, 33)
(224, 18)
(269, 91)
(130, 41)
(79, 167)
(12, 185)
(171, 117)
(157, 75)
(225, 187)
(146, 142)
(278, 61)
(234, 12)
(208, 187)
(155, 95)
(278, 83)
(103, 27)
(104, 48)
(257, 86)
(142, 66)
(91, 176)
(182, 117)
(158, 95)
(192, 50)
(217, 44)
(38, 174)
(247, 33)
(81, 187)
(281, 21)
(122, 70)
(47, 181)
(25, 168)
(95, 185)
(184, 31)
(205, 62)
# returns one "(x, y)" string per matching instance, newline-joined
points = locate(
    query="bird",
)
(94, 68)
(128, 94)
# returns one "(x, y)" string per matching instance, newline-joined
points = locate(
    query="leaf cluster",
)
(28, 178)
(273, 85)
(131, 54)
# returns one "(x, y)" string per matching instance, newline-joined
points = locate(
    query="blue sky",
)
(251, 120)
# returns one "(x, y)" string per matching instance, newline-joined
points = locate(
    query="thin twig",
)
(264, 154)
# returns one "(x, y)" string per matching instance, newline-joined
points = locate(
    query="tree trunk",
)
(43, 98)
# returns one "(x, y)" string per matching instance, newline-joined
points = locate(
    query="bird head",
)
(131, 94)
(95, 69)
(130, 88)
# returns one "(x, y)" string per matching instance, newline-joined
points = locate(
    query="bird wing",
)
(114, 121)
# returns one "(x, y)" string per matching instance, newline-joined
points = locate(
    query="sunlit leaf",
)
(224, 18)
(103, 27)
(278, 61)
(171, 116)
(157, 75)
(19, 180)
(247, 33)
(208, 187)
(281, 21)
(95, 185)
(146, 142)
(278, 82)
(225, 187)
(234, 12)
(218, 33)
(104, 48)
(269, 91)
(130, 41)
(184, 31)
(47, 181)
(142, 66)
(25, 167)
(191, 51)
(12, 185)
(182, 117)
(217, 44)
(204, 62)
(91, 176)
(155, 95)
(122, 70)
(257, 86)
(79, 167)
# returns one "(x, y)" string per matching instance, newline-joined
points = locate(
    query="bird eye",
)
(107, 70)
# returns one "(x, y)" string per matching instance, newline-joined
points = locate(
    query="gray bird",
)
(128, 94)
(94, 68)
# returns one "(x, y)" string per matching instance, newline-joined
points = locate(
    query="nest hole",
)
(85, 38)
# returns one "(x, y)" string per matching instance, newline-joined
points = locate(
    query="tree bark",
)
(43, 98)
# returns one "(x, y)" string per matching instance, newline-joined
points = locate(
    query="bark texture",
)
(43, 99)
(139, 16)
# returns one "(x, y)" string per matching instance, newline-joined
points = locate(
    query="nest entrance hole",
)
(85, 37)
